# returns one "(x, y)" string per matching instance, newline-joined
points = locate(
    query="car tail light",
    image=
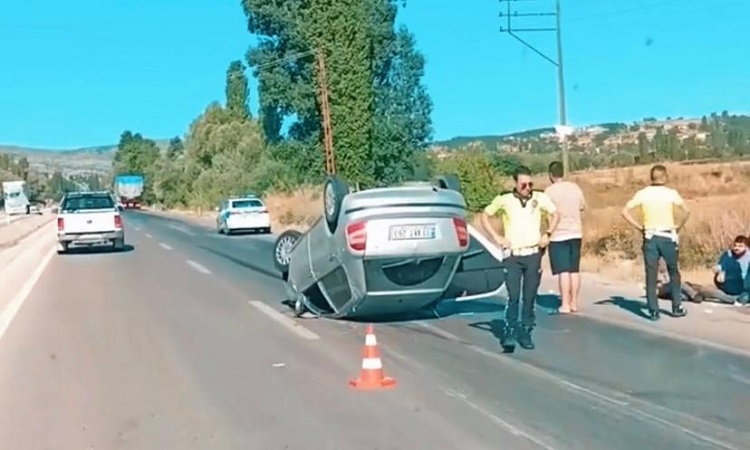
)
(118, 221)
(60, 224)
(461, 231)
(356, 236)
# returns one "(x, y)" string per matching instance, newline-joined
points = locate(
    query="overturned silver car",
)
(387, 251)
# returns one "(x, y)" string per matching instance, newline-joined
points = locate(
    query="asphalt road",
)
(171, 344)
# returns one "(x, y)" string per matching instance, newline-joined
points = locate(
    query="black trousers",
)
(653, 249)
(523, 275)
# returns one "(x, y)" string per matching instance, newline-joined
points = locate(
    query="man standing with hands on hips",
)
(660, 237)
(521, 213)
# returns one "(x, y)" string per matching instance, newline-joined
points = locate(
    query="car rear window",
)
(88, 202)
(247, 204)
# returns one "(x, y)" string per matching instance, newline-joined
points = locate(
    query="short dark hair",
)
(658, 172)
(556, 169)
(521, 170)
(740, 240)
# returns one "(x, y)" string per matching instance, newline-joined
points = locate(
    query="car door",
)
(480, 271)
(321, 247)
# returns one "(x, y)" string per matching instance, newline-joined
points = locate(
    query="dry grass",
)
(297, 210)
(716, 195)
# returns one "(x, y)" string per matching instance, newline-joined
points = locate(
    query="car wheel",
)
(62, 249)
(282, 249)
(333, 196)
(118, 244)
(449, 181)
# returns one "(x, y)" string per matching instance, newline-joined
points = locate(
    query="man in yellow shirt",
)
(660, 236)
(521, 212)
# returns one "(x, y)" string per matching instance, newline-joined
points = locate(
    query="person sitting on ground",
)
(731, 278)
(731, 271)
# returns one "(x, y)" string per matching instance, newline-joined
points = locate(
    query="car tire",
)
(333, 196)
(282, 248)
(449, 181)
(63, 250)
(118, 245)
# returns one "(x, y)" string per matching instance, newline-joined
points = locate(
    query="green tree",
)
(643, 145)
(175, 148)
(379, 107)
(236, 90)
(403, 109)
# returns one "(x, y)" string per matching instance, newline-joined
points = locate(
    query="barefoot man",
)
(565, 242)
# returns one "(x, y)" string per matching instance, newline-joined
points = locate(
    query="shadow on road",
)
(635, 307)
(444, 309)
(240, 262)
(98, 249)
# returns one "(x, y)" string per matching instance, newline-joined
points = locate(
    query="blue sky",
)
(78, 73)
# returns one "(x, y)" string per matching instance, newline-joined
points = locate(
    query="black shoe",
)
(654, 315)
(679, 311)
(508, 339)
(524, 338)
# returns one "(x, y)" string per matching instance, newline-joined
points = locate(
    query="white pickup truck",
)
(89, 218)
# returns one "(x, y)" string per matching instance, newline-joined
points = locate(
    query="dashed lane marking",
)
(164, 246)
(148, 236)
(198, 267)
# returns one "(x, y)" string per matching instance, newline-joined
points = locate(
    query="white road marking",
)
(625, 404)
(494, 418)
(148, 236)
(198, 267)
(164, 246)
(137, 228)
(9, 313)
(285, 321)
(182, 229)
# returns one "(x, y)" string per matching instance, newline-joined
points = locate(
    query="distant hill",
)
(491, 141)
(97, 159)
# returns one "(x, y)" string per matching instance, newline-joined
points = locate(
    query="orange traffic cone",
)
(371, 375)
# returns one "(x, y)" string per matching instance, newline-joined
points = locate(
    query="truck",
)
(88, 219)
(16, 197)
(128, 189)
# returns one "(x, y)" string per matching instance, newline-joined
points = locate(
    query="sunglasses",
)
(528, 185)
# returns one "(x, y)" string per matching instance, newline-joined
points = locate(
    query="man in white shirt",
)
(565, 242)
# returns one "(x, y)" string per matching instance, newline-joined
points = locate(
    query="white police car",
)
(241, 214)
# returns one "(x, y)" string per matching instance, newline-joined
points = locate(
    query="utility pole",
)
(325, 110)
(563, 130)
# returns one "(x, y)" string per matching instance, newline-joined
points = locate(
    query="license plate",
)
(92, 237)
(411, 232)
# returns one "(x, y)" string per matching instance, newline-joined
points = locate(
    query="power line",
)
(508, 16)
